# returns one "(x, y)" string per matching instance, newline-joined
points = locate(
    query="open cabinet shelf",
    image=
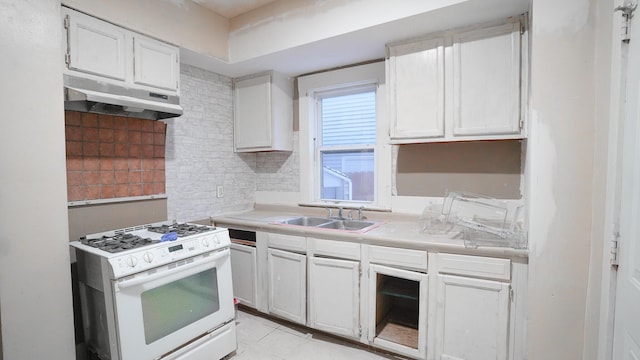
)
(400, 327)
(398, 310)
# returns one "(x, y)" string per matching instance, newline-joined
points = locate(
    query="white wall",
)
(35, 277)
(607, 80)
(560, 175)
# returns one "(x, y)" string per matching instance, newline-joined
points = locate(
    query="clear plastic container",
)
(433, 221)
(486, 221)
(513, 239)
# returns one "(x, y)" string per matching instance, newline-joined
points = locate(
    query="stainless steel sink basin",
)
(335, 224)
(307, 221)
(352, 225)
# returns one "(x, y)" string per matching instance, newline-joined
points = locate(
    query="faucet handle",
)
(329, 213)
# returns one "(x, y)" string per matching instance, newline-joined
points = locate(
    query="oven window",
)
(173, 306)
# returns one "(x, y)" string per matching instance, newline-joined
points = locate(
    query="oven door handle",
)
(178, 270)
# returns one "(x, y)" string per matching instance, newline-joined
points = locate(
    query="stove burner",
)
(117, 243)
(181, 230)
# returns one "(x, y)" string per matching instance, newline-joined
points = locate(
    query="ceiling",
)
(350, 48)
(232, 8)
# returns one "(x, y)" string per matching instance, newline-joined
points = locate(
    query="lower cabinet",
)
(472, 319)
(287, 284)
(411, 302)
(398, 310)
(472, 308)
(334, 296)
(244, 273)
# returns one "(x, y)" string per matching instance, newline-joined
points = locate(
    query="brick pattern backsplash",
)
(113, 157)
(200, 153)
(279, 170)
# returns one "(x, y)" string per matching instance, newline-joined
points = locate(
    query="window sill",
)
(345, 206)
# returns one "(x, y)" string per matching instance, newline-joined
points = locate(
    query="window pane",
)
(347, 175)
(349, 119)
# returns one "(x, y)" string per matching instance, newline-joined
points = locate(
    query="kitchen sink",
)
(353, 225)
(335, 224)
(306, 221)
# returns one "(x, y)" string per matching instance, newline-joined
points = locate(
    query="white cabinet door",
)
(472, 319)
(156, 64)
(486, 76)
(95, 47)
(243, 270)
(263, 112)
(252, 106)
(416, 74)
(287, 285)
(334, 296)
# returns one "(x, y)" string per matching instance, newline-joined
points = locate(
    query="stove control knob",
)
(148, 257)
(205, 242)
(216, 240)
(132, 261)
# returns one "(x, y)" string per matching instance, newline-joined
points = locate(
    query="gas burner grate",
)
(181, 229)
(117, 243)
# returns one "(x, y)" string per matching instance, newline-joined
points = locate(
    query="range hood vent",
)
(86, 95)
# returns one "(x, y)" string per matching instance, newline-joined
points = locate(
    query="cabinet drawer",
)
(477, 266)
(287, 242)
(407, 258)
(333, 248)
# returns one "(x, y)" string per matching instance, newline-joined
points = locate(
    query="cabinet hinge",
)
(627, 14)
(359, 331)
(511, 296)
(615, 249)
(67, 55)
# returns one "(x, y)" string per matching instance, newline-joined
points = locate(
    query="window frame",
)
(310, 88)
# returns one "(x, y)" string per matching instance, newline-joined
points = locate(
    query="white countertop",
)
(401, 231)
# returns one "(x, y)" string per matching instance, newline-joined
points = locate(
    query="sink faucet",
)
(360, 217)
(340, 215)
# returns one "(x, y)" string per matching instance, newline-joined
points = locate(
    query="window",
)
(345, 156)
(345, 145)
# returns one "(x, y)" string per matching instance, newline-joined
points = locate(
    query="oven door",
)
(162, 309)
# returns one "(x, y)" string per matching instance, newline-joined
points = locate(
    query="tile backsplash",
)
(113, 157)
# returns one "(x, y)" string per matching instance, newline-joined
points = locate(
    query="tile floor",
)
(260, 338)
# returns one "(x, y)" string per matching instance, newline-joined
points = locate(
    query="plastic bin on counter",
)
(482, 220)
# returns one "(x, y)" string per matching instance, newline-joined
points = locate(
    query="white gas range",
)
(157, 291)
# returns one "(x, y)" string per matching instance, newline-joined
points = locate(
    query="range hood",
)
(87, 95)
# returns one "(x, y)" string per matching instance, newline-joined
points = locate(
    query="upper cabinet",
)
(263, 113)
(95, 47)
(102, 51)
(417, 89)
(486, 81)
(459, 85)
(156, 63)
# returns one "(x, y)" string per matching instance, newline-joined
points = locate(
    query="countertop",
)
(402, 231)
